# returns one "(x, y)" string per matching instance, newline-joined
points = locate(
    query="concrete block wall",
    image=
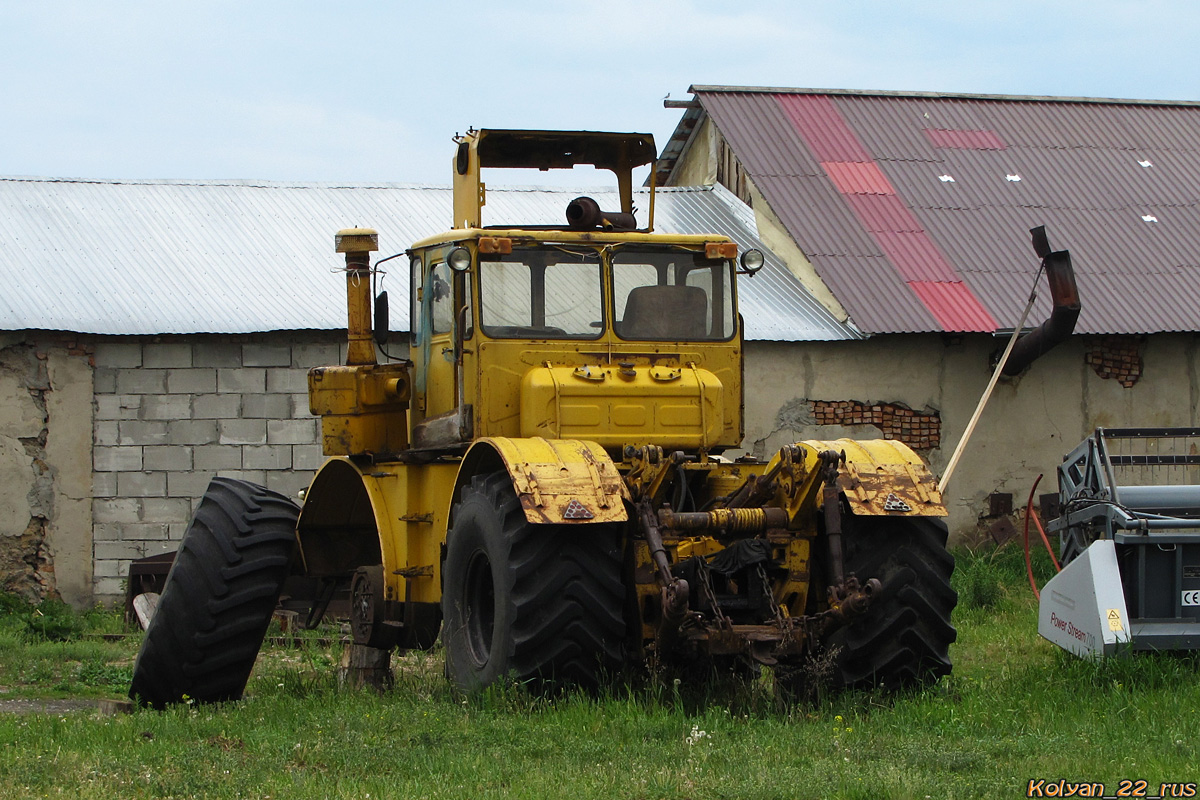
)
(172, 413)
(45, 466)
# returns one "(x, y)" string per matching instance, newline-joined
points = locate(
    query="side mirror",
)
(381, 319)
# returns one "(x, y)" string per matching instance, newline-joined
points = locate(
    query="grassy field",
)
(1014, 710)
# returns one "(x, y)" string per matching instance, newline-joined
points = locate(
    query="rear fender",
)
(393, 515)
(558, 481)
(884, 477)
(339, 526)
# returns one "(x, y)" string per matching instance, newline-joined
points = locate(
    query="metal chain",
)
(711, 596)
(762, 576)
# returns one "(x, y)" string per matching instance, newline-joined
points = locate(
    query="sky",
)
(374, 91)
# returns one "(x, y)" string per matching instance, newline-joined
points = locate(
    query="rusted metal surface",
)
(358, 244)
(675, 591)
(785, 637)
(831, 507)
(747, 639)
(583, 213)
(562, 480)
(847, 600)
(891, 489)
(1116, 177)
(1061, 322)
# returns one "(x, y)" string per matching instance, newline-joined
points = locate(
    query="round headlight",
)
(459, 259)
(752, 261)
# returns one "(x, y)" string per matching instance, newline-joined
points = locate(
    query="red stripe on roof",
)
(824, 129)
(883, 212)
(915, 256)
(964, 140)
(955, 308)
(855, 177)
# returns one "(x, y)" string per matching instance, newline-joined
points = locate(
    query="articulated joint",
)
(728, 520)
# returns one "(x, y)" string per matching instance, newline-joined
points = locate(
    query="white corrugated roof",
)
(231, 256)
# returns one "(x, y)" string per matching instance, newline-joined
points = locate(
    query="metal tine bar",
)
(1155, 456)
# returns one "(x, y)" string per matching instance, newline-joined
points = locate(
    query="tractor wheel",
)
(904, 637)
(535, 603)
(218, 597)
(367, 623)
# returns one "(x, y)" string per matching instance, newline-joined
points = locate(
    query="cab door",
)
(440, 306)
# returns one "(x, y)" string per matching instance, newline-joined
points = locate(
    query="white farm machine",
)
(1129, 528)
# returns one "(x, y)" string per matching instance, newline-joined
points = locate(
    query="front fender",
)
(558, 481)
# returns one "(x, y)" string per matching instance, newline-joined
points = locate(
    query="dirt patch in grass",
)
(26, 706)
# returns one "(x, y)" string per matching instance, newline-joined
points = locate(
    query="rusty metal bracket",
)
(675, 591)
(832, 508)
(648, 469)
(759, 489)
(847, 602)
(425, 571)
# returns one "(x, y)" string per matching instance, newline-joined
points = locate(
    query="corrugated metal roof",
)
(149, 257)
(1115, 181)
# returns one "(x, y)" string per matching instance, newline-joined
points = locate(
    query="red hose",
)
(1029, 512)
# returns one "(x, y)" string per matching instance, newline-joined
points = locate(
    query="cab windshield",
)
(672, 294)
(541, 292)
(659, 294)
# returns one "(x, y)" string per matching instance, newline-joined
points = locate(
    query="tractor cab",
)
(594, 329)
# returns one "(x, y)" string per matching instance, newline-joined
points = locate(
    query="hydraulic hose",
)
(1029, 512)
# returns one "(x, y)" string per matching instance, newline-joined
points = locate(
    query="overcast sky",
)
(373, 91)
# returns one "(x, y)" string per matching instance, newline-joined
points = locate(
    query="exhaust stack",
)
(358, 244)
(583, 213)
(1064, 294)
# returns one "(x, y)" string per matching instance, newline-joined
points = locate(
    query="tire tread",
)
(567, 596)
(905, 636)
(218, 598)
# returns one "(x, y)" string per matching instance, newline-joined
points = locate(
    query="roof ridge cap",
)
(714, 89)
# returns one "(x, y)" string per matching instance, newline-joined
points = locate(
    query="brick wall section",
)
(172, 413)
(918, 430)
(1117, 357)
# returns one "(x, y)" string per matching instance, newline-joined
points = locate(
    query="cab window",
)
(441, 297)
(415, 293)
(672, 295)
(545, 292)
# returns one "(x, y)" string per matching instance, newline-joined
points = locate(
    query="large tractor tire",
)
(535, 603)
(904, 637)
(218, 597)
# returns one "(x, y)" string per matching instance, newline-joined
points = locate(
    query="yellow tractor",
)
(542, 484)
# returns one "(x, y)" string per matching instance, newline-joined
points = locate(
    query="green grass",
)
(1015, 708)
